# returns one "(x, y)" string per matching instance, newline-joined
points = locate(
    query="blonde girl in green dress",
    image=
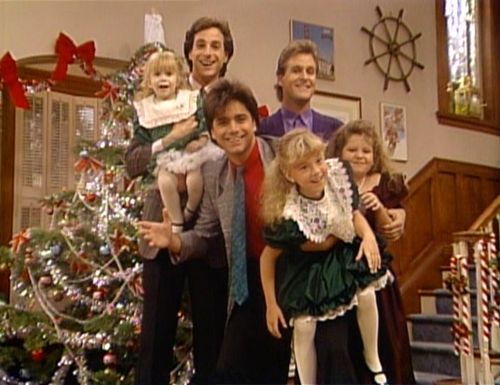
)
(329, 258)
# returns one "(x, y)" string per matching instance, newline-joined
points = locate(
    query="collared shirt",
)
(193, 83)
(293, 120)
(253, 176)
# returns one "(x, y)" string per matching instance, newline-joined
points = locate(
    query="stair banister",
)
(483, 240)
(462, 325)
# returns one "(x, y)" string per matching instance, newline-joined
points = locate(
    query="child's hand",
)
(369, 248)
(371, 201)
(275, 319)
(196, 145)
(184, 127)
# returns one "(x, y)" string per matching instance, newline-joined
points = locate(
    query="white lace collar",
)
(152, 114)
(332, 214)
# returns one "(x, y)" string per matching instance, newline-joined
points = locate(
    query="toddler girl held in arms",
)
(164, 100)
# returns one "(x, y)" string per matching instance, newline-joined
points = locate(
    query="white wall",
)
(261, 29)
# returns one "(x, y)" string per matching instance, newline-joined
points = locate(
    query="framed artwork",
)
(323, 37)
(342, 107)
(393, 129)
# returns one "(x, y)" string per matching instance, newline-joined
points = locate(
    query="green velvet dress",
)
(321, 284)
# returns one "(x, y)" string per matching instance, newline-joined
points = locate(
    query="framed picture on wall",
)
(393, 130)
(323, 37)
(342, 107)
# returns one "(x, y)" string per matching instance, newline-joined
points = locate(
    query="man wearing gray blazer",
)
(249, 353)
(208, 47)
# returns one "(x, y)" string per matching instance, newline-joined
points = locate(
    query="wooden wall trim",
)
(445, 196)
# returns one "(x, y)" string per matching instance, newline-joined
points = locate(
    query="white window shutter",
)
(46, 136)
(29, 163)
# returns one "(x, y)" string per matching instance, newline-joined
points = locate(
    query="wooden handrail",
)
(487, 215)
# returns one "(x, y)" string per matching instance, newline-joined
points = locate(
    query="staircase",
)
(432, 343)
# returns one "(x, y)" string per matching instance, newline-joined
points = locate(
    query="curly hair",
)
(293, 147)
(161, 61)
(338, 141)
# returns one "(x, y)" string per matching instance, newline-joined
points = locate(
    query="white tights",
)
(304, 349)
(367, 316)
(167, 184)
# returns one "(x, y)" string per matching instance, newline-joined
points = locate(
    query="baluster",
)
(465, 327)
(483, 310)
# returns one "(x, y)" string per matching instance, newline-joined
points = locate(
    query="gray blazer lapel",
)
(225, 205)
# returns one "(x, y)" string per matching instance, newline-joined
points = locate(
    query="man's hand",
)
(157, 234)
(394, 230)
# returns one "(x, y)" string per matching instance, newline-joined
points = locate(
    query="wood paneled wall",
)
(445, 196)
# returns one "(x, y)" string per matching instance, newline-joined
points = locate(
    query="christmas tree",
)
(76, 317)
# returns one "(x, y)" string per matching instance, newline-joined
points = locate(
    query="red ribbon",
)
(88, 163)
(108, 90)
(67, 51)
(8, 74)
(263, 111)
(19, 239)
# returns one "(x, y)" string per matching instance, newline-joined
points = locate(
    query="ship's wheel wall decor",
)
(392, 48)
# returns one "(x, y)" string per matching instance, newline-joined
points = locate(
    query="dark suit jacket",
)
(216, 210)
(137, 159)
(323, 126)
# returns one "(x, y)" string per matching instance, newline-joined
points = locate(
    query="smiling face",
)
(310, 175)
(298, 81)
(358, 151)
(207, 55)
(164, 84)
(233, 129)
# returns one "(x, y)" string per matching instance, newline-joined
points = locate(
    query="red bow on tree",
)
(87, 163)
(67, 51)
(8, 74)
(108, 90)
(19, 239)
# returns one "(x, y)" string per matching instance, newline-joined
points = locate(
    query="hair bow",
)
(67, 51)
(263, 111)
(8, 74)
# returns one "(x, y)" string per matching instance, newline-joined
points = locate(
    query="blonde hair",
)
(162, 61)
(293, 147)
(381, 162)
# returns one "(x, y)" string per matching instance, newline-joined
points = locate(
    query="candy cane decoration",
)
(495, 278)
(456, 304)
(466, 316)
(483, 289)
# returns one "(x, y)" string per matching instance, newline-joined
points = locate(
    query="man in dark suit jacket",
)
(208, 47)
(296, 82)
(249, 354)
